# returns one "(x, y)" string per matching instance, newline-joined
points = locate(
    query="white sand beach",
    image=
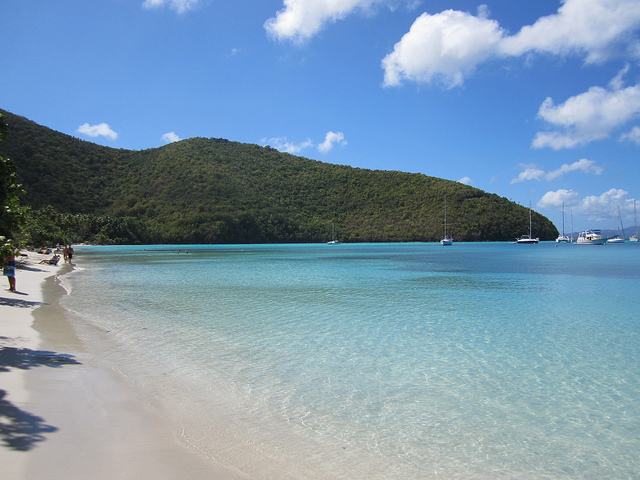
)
(66, 414)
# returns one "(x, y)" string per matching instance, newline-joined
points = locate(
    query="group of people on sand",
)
(67, 253)
(9, 264)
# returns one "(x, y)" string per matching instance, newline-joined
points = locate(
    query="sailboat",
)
(333, 241)
(617, 238)
(446, 240)
(528, 239)
(634, 238)
(563, 238)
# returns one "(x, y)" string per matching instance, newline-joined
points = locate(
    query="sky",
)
(538, 102)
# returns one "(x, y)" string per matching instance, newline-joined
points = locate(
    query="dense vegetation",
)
(12, 214)
(217, 191)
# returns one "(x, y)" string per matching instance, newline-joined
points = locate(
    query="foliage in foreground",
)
(12, 214)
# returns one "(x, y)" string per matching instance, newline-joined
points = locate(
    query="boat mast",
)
(530, 234)
(620, 218)
(445, 216)
(572, 226)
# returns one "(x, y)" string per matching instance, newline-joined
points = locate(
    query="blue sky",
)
(534, 101)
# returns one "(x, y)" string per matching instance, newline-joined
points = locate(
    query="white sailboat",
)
(446, 240)
(563, 238)
(617, 239)
(528, 239)
(634, 238)
(334, 240)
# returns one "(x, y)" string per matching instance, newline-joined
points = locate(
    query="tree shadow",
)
(18, 302)
(21, 430)
(25, 359)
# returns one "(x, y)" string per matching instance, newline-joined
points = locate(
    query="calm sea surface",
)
(381, 361)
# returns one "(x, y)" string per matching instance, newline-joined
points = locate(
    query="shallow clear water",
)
(383, 360)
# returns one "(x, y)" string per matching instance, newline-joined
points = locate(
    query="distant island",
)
(209, 190)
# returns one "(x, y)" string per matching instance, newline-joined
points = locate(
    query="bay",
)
(380, 360)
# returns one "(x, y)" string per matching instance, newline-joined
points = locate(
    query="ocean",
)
(379, 361)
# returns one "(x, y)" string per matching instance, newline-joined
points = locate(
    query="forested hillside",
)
(218, 191)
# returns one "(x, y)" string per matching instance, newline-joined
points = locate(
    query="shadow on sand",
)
(18, 302)
(19, 429)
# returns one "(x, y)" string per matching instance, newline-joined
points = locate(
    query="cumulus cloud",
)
(170, 137)
(529, 172)
(446, 46)
(465, 180)
(331, 139)
(100, 130)
(180, 6)
(300, 20)
(590, 27)
(589, 116)
(596, 207)
(605, 205)
(285, 145)
(533, 172)
(559, 198)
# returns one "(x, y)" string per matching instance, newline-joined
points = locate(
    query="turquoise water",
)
(381, 360)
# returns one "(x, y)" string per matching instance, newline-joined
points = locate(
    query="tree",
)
(12, 215)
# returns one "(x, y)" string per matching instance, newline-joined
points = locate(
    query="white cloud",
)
(603, 206)
(532, 172)
(300, 20)
(632, 136)
(180, 6)
(331, 139)
(446, 46)
(591, 27)
(592, 115)
(559, 198)
(101, 130)
(529, 172)
(170, 137)
(285, 145)
(597, 208)
(465, 180)
(584, 165)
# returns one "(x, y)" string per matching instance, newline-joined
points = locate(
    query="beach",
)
(64, 412)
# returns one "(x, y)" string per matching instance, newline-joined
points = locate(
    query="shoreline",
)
(64, 412)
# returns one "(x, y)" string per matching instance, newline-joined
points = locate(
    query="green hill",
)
(218, 191)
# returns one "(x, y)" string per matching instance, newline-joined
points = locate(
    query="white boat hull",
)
(600, 241)
(528, 241)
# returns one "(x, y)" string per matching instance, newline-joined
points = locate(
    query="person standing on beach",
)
(69, 253)
(9, 271)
